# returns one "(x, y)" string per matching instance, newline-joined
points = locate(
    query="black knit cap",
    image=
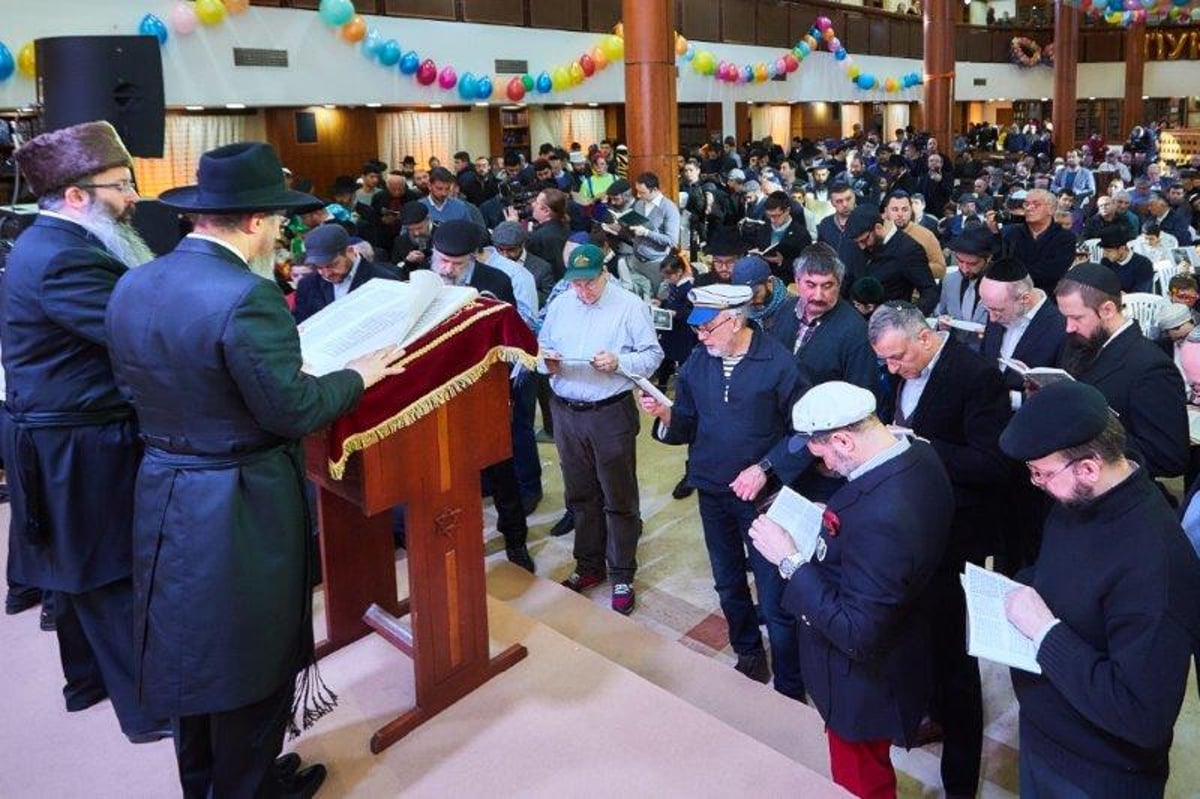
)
(1057, 417)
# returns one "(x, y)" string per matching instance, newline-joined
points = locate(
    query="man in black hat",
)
(413, 246)
(1134, 270)
(892, 258)
(1113, 606)
(1021, 324)
(222, 543)
(959, 300)
(724, 247)
(1139, 381)
(1046, 249)
(338, 269)
(70, 440)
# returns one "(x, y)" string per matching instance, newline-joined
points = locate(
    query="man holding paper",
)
(732, 403)
(863, 598)
(1113, 606)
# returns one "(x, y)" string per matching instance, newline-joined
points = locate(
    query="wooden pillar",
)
(651, 113)
(1066, 73)
(1133, 109)
(939, 70)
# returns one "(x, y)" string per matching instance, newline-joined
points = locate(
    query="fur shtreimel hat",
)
(61, 157)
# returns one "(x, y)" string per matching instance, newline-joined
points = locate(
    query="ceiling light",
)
(483, 104)
(374, 105)
(235, 106)
(194, 107)
(593, 105)
(435, 105)
(330, 106)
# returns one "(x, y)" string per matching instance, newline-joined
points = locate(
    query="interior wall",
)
(346, 139)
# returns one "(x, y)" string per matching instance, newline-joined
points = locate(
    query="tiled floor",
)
(676, 599)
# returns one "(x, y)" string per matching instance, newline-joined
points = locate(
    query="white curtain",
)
(421, 134)
(771, 120)
(188, 136)
(568, 125)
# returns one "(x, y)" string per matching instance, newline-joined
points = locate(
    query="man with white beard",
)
(69, 438)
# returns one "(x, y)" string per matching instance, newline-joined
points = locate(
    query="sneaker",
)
(581, 582)
(683, 489)
(755, 667)
(623, 598)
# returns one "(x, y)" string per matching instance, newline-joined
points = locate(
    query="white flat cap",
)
(708, 301)
(829, 406)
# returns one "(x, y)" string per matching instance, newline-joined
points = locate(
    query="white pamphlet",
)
(801, 517)
(963, 324)
(648, 387)
(990, 635)
(1040, 376)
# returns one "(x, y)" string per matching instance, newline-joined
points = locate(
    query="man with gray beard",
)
(69, 438)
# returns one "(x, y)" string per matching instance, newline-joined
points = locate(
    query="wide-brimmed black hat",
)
(238, 178)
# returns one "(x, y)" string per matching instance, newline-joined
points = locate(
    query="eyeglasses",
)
(708, 331)
(123, 186)
(1038, 478)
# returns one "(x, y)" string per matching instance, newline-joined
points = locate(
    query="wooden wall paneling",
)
(701, 19)
(431, 9)
(561, 14)
(495, 137)
(314, 4)
(713, 118)
(856, 34)
(737, 21)
(881, 36)
(346, 139)
(742, 130)
(773, 26)
(1100, 46)
(800, 19)
(916, 41)
(603, 15)
(500, 12)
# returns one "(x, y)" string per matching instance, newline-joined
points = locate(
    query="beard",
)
(263, 266)
(117, 235)
(1080, 352)
(1081, 496)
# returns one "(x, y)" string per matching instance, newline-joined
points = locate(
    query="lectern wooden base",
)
(431, 466)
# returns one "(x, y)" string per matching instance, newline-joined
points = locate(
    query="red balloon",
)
(516, 90)
(792, 62)
(427, 72)
(589, 66)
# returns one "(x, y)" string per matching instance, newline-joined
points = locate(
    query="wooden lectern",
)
(431, 466)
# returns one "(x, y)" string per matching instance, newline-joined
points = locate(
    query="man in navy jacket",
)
(338, 270)
(862, 599)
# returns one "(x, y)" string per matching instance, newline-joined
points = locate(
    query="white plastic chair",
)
(1163, 272)
(1093, 250)
(1144, 308)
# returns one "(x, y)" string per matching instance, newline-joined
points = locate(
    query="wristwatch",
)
(766, 465)
(788, 566)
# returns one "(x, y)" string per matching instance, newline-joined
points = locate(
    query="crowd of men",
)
(918, 342)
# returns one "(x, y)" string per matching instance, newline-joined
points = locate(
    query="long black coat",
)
(314, 292)
(69, 440)
(1040, 345)
(221, 539)
(864, 613)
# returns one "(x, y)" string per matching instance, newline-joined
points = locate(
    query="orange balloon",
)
(237, 6)
(619, 30)
(354, 30)
(599, 57)
(681, 45)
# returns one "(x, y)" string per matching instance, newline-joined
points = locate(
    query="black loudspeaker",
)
(117, 78)
(161, 227)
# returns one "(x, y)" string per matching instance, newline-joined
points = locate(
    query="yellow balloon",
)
(237, 6)
(614, 47)
(619, 30)
(27, 60)
(576, 73)
(210, 12)
(599, 57)
(560, 79)
(853, 71)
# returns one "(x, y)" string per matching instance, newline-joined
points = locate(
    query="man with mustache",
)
(1138, 380)
(70, 439)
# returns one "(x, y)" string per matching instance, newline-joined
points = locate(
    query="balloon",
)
(1149, 3)
(576, 73)
(237, 6)
(484, 87)
(835, 44)
(183, 18)
(589, 66)
(427, 73)
(748, 73)
(528, 82)
(152, 26)
(447, 77)
(690, 53)
(1196, 15)
(515, 90)
(614, 47)
(840, 55)
(828, 35)
(890, 85)
(560, 79)
(824, 23)
(865, 80)
(210, 12)
(703, 62)
(354, 30)
(410, 62)
(371, 44)
(791, 63)
(853, 71)
(619, 30)
(804, 49)
(7, 64)
(544, 83)
(466, 86)
(1181, 3)
(773, 70)
(336, 12)
(781, 67)
(681, 45)
(599, 58)
(389, 53)
(27, 60)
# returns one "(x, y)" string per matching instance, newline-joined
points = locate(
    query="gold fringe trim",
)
(436, 398)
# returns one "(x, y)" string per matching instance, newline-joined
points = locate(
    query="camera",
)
(515, 194)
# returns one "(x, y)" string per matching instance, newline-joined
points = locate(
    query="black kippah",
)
(1006, 270)
(1098, 276)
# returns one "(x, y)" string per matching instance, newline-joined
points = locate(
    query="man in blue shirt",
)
(443, 207)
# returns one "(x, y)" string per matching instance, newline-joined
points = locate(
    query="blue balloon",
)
(410, 62)
(841, 54)
(484, 87)
(389, 53)
(865, 80)
(690, 52)
(804, 49)
(466, 86)
(816, 34)
(7, 64)
(336, 12)
(152, 26)
(1116, 5)
(544, 84)
(371, 44)
(748, 73)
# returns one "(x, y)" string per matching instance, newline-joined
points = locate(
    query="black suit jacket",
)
(314, 292)
(795, 239)
(1040, 345)
(902, 267)
(1146, 390)
(492, 280)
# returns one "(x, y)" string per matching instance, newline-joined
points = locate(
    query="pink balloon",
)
(447, 78)
(823, 23)
(781, 67)
(183, 18)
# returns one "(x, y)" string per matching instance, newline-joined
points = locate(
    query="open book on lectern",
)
(378, 313)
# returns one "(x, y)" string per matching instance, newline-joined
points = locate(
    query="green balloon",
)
(527, 82)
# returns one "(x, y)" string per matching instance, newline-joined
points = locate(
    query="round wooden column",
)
(939, 69)
(651, 113)
(1066, 73)
(1133, 109)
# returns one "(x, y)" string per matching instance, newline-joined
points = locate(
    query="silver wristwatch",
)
(788, 566)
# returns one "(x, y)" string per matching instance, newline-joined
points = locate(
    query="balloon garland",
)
(1026, 53)
(1129, 12)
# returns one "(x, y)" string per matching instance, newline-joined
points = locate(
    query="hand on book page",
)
(375, 366)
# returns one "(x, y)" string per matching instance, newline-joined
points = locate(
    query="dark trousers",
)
(231, 754)
(726, 521)
(1040, 780)
(506, 494)
(597, 450)
(95, 644)
(958, 695)
(524, 445)
(544, 395)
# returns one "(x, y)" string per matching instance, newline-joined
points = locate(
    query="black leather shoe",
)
(755, 667)
(683, 489)
(564, 525)
(519, 556)
(286, 766)
(305, 783)
(19, 600)
(150, 736)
